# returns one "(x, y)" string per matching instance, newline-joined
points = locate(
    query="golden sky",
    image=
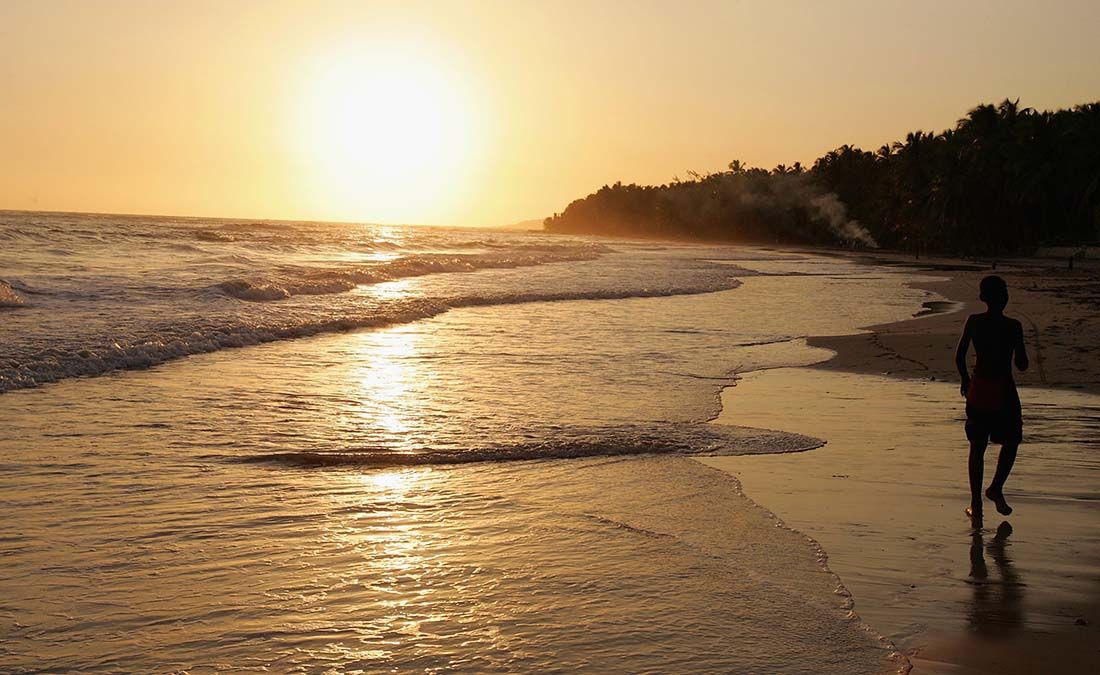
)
(484, 113)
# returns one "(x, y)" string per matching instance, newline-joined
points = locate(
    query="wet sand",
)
(1060, 311)
(885, 497)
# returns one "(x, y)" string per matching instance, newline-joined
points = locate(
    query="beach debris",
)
(1081, 621)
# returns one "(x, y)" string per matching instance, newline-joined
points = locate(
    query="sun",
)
(388, 133)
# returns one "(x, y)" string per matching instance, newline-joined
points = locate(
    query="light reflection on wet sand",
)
(914, 562)
(997, 606)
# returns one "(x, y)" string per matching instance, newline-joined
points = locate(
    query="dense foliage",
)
(1005, 179)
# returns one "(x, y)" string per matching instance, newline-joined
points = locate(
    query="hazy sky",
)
(484, 113)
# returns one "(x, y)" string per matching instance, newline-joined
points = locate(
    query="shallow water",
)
(188, 516)
(914, 562)
(593, 564)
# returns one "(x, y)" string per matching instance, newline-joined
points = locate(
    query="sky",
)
(485, 113)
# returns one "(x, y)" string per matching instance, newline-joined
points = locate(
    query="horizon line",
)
(255, 219)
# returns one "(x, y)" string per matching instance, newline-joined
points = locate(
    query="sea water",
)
(235, 445)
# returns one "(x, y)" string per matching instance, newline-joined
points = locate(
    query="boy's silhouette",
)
(992, 403)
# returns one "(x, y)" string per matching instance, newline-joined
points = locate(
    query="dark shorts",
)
(1003, 425)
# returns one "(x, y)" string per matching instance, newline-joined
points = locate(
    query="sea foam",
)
(186, 339)
(314, 281)
(9, 299)
(134, 292)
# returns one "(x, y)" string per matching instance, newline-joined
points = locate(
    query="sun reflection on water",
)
(386, 367)
(383, 526)
(391, 482)
(391, 290)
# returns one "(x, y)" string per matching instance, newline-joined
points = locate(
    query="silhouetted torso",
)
(995, 338)
(993, 410)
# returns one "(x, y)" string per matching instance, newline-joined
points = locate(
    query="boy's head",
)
(993, 291)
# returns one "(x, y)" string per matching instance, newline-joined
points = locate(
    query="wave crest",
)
(187, 339)
(9, 299)
(655, 439)
(326, 281)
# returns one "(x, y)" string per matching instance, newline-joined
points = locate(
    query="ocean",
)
(322, 447)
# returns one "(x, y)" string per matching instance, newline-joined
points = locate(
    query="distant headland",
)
(1004, 180)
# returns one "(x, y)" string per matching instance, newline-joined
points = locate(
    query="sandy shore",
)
(885, 496)
(1060, 310)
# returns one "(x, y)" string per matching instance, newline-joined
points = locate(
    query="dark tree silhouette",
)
(1003, 180)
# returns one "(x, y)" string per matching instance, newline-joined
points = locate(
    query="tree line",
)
(1004, 180)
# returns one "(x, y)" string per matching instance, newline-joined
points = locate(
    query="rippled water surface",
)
(437, 450)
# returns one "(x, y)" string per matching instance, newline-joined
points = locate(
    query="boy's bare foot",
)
(998, 498)
(975, 515)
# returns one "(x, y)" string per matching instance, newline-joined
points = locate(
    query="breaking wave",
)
(134, 292)
(653, 439)
(178, 341)
(9, 299)
(325, 281)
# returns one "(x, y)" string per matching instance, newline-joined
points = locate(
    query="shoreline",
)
(1060, 310)
(824, 494)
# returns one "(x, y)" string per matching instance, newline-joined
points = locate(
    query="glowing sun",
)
(389, 134)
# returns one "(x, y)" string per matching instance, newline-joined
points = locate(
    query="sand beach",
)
(885, 496)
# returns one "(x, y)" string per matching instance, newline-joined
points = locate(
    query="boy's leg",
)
(977, 466)
(1004, 466)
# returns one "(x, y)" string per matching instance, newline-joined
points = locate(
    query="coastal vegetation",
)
(1005, 179)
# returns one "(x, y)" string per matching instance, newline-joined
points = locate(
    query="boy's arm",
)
(1020, 350)
(960, 356)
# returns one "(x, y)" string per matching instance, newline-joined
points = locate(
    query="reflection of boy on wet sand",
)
(992, 403)
(997, 607)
